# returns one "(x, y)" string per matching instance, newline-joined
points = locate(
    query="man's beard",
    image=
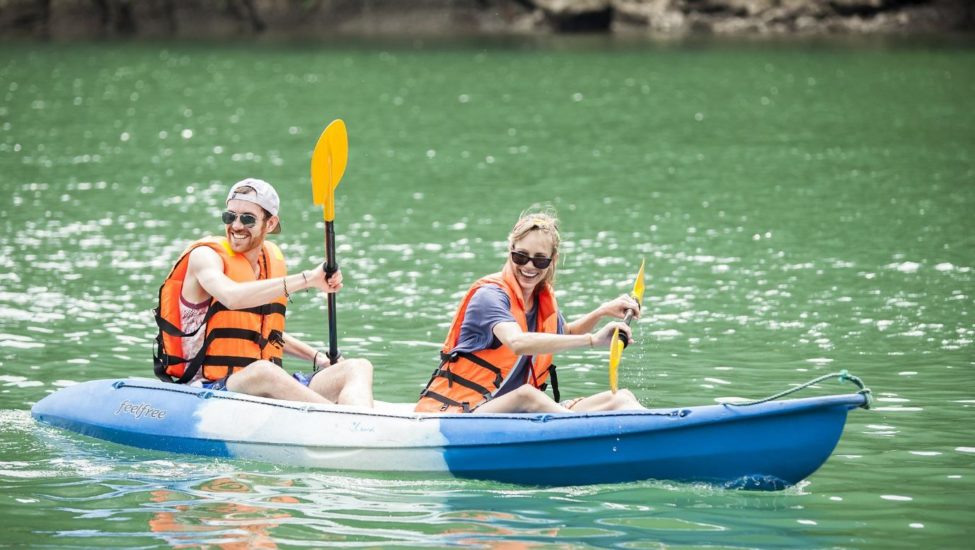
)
(253, 241)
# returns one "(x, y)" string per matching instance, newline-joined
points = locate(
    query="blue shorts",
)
(216, 385)
(302, 379)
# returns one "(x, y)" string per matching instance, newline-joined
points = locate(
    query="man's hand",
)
(316, 279)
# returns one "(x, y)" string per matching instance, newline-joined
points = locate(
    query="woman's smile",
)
(534, 245)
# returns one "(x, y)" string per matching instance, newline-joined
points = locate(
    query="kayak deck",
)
(763, 446)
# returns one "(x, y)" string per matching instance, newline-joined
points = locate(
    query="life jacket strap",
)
(454, 377)
(170, 328)
(454, 356)
(161, 360)
(447, 402)
(555, 384)
(238, 333)
(273, 308)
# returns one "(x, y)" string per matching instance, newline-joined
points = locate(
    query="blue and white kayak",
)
(763, 446)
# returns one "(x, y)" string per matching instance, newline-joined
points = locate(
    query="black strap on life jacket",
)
(454, 356)
(162, 360)
(555, 384)
(447, 402)
(444, 371)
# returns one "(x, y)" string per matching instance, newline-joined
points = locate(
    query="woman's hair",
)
(542, 219)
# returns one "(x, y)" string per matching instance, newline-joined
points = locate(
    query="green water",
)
(803, 208)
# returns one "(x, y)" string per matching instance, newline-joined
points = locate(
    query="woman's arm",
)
(614, 308)
(533, 343)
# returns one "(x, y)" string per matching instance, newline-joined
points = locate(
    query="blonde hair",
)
(545, 220)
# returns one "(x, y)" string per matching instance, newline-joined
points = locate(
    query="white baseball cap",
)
(264, 196)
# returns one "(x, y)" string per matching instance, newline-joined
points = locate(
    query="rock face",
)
(74, 19)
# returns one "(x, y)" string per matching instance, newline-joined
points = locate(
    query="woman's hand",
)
(316, 279)
(617, 308)
(605, 334)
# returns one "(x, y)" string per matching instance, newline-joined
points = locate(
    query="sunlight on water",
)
(803, 209)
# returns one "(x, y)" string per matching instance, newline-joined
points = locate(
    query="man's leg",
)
(265, 379)
(348, 382)
(622, 400)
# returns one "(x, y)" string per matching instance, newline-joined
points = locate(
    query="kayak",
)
(765, 445)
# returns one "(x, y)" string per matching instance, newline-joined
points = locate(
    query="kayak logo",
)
(140, 410)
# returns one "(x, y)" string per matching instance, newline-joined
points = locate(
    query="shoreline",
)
(70, 20)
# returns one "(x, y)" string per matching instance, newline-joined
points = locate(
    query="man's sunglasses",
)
(247, 220)
(520, 258)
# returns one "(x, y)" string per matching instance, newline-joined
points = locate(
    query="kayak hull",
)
(766, 446)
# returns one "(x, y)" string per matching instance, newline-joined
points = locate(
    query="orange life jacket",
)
(464, 381)
(234, 338)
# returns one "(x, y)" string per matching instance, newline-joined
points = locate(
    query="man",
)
(221, 313)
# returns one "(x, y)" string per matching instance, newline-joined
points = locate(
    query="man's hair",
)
(247, 190)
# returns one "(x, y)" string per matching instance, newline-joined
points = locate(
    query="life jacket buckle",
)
(276, 338)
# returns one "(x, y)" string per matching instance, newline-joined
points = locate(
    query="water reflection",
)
(221, 512)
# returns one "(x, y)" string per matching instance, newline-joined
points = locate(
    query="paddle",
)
(328, 162)
(620, 340)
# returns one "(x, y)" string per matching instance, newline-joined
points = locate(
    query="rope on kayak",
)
(843, 376)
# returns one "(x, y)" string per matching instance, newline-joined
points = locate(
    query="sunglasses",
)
(520, 258)
(247, 220)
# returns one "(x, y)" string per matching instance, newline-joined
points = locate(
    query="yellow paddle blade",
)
(319, 168)
(615, 353)
(638, 287)
(328, 162)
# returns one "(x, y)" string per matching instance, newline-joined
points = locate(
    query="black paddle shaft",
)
(623, 337)
(330, 268)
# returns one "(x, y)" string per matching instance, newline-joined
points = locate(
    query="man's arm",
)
(296, 348)
(206, 270)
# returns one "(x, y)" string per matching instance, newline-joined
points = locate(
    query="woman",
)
(498, 352)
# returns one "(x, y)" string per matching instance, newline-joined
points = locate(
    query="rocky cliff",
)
(82, 19)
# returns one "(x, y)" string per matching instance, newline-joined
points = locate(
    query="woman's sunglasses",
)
(247, 220)
(520, 258)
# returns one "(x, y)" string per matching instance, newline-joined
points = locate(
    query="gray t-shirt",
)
(488, 307)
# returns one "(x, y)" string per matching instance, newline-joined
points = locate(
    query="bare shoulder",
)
(202, 258)
(203, 268)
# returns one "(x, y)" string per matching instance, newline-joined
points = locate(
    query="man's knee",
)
(357, 367)
(263, 369)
